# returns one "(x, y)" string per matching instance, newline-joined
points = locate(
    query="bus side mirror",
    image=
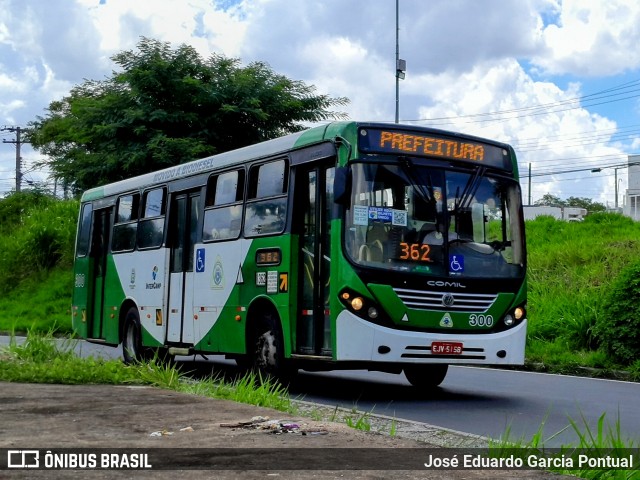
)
(342, 185)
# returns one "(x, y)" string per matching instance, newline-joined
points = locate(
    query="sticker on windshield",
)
(399, 218)
(456, 263)
(360, 215)
(382, 214)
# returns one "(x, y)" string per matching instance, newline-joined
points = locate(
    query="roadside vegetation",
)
(584, 284)
(41, 358)
(603, 441)
(37, 234)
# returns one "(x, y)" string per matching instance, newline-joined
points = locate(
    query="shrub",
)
(618, 327)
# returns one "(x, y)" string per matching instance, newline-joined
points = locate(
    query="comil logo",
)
(23, 459)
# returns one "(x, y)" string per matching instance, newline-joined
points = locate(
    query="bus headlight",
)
(362, 306)
(518, 313)
(357, 303)
(514, 316)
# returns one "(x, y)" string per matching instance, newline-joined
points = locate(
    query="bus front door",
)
(313, 220)
(183, 224)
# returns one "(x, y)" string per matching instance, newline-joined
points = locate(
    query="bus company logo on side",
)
(440, 283)
(154, 285)
(217, 280)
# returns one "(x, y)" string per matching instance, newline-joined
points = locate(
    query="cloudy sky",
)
(558, 79)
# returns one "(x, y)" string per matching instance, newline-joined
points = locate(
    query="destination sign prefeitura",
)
(372, 140)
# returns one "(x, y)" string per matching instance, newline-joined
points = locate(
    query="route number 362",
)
(480, 320)
(415, 251)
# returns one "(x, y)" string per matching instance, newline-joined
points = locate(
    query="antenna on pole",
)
(401, 65)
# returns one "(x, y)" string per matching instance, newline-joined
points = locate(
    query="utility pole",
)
(529, 184)
(401, 65)
(17, 143)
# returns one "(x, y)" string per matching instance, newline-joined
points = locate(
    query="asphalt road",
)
(480, 401)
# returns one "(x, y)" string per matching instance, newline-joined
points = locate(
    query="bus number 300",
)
(480, 320)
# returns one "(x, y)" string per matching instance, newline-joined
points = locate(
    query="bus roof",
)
(250, 153)
(232, 157)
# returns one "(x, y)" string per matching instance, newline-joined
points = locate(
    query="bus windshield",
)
(434, 221)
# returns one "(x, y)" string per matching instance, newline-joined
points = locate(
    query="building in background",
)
(631, 204)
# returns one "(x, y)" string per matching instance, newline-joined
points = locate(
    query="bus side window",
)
(126, 224)
(266, 210)
(151, 226)
(223, 213)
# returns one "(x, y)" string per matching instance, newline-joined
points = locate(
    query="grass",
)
(359, 421)
(250, 388)
(41, 304)
(571, 266)
(43, 359)
(597, 445)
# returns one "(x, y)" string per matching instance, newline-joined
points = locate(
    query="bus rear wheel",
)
(132, 338)
(426, 376)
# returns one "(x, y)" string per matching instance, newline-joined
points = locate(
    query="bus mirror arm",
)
(342, 185)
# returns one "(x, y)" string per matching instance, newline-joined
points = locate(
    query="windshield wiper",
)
(408, 167)
(464, 201)
(427, 196)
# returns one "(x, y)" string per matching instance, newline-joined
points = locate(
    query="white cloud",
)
(592, 38)
(198, 23)
(542, 141)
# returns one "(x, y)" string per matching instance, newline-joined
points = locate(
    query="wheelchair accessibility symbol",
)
(200, 265)
(456, 263)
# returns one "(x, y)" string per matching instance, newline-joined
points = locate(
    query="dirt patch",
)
(35, 416)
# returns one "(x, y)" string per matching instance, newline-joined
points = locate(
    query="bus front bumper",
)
(359, 340)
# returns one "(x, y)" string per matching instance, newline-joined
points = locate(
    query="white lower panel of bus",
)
(358, 340)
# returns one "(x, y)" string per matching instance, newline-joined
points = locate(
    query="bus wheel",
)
(426, 376)
(268, 351)
(132, 338)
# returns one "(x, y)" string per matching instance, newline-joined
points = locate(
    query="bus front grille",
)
(446, 301)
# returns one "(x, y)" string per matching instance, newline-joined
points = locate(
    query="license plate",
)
(446, 348)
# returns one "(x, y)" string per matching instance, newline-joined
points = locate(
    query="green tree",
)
(166, 106)
(550, 201)
(583, 202)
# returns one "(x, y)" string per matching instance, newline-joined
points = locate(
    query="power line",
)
(625, 91)
(560, 172)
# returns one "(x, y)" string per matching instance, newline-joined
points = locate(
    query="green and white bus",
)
(346, 246)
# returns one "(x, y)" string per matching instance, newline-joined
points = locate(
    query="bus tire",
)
(426, 376)
(132, 338)
(267, 350)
